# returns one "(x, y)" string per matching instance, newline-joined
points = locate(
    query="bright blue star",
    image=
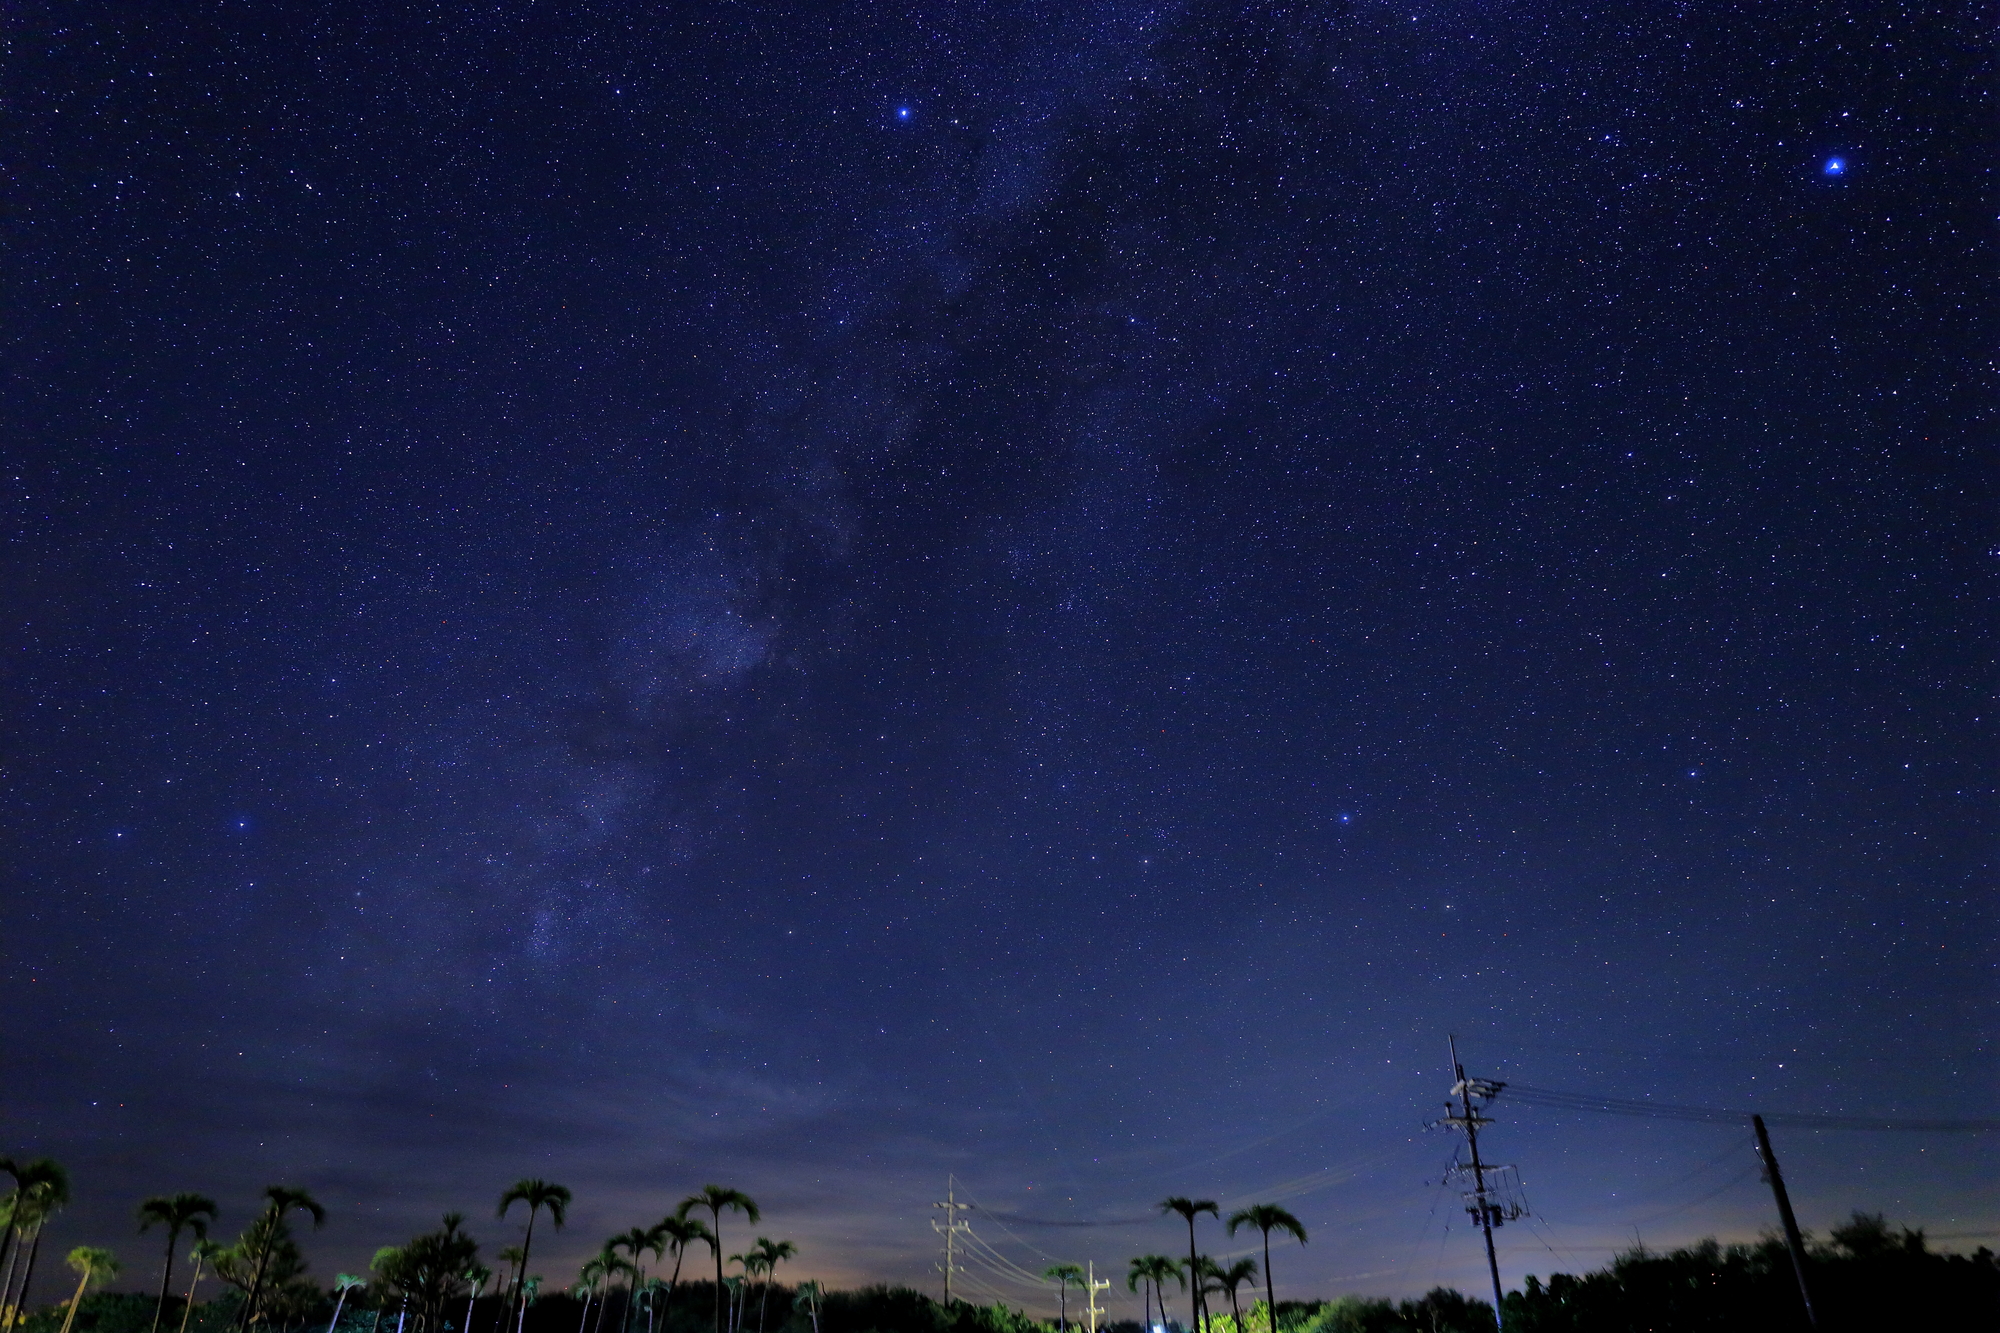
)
(902, 113)
(1835, 166)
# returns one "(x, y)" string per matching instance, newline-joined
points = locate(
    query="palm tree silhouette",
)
(1268, 1217)
(177, 1213)
(808, 1300)
(1062, 1275)
(475, 1282)
(1232, 1277)
(41, 1187)
(95, 1265)
(634, 1242)
(770, 1254)
(715, 1198)
(204, 1251)
(538, 1195)
(1188, 1209)
(678, 1233)
(611, 1266)
(512, 1257)
(1154, 1269)
(281, 1200)
(342, 1284)
(592, 1273)
(736, 1285)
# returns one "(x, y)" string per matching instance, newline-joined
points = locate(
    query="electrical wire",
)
(1554, 1099)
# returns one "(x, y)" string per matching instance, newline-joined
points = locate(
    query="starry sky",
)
(825, 596)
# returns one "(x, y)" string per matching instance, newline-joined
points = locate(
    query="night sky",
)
(817, 596)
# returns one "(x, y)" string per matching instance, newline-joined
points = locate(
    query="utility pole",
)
(1091, 1286)
(951, 1228)
(1793, 1241)
(1486, 1204)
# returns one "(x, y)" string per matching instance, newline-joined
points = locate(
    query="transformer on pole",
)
(1494, 1198)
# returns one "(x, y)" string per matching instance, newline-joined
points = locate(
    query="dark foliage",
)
(1868, 1278)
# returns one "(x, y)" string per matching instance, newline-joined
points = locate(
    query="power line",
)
(1555, 1099)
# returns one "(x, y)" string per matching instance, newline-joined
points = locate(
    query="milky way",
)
(820, 597)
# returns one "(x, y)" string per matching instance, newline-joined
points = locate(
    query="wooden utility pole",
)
(951, 1228)
(1793, 1241)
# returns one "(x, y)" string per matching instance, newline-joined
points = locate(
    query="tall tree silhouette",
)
(1153, 1270)
(204, 1251)
(279, 1200)
(715, 1198)
(1062, 1275)
(1268, 1217)
(177, 1213)
(95, 1265)
(540, 1196)
(1188, 1210)
(679, 1232)
(770, 1253)
(41, 1188)
(1232, 1277)
(342, 1284)
(635, 1243)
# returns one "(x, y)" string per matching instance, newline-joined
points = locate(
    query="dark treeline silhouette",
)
(1869, 1277)
(1865, 1278)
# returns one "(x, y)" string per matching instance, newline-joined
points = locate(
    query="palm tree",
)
(342, 1284)
(281, 1200)
(93, 1264)
(1062, 1275)
(204, 1251)
(715, 1198)
(613, 1266)
(1154, 1269)
(808, 1299)
(678, 1232)
(739, 1287)
(538, 1195)
(771, 1253)
(475, 1282)
(634, 1242)
(40, 1188)
(1232, 1277)
(736, 1284)
(177, 1213)
(1188, 1209)
(592, 1273)
(12, 1170)
(512, 1257)
(1268, 1217)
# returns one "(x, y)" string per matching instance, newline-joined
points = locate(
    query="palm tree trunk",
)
(1194, 1280)
(7, 1283)
(27, 1278)
(717, 1211)
(77, 1299)
(257, 1282)
(521, 1283)
(1235, 1310)
(587, 1294)
(187, 1311)
(10, 1250)
(166, 1278)
(334, 1323)
(1270, 1292)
